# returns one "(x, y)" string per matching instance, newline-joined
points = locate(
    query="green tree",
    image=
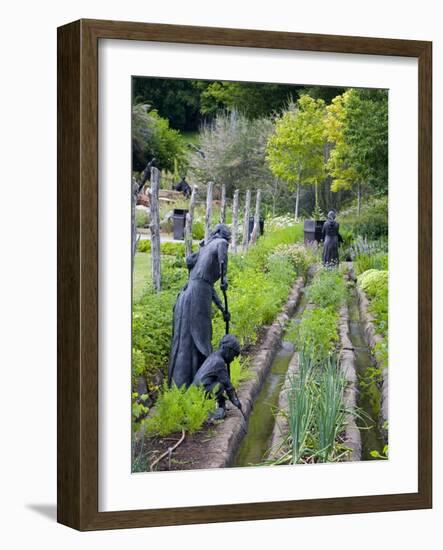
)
(357, 126)
(295, 152)
(152, 137)
(252, 99)
(175, 99)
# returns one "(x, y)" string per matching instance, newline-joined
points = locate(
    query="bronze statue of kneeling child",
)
(213, 375)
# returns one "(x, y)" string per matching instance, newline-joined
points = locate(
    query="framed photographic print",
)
(244, 274)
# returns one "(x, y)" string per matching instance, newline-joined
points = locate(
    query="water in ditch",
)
(256, 443)
(369, 400)
(261, 421)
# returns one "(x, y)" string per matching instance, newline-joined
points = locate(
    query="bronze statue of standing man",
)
(192, 315)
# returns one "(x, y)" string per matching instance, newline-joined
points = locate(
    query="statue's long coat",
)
(331, 238)
(192, 317)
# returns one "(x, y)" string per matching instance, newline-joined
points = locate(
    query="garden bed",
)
(216, 445)
(373, 339)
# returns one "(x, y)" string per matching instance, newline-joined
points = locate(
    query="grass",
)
(191, 137)
(142, 274)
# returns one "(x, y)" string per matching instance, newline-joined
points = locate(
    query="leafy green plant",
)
(372, 221)
(384, 455)
(138, 362)
(375, 284)
(152, 137)
(198, 230)
(327, 289)
(138, 411)
(258, 285)
(317, 333)
(179, 409)
(381, 353)
(166, 248)
(239, 369)
(300, 256)
(141, 218)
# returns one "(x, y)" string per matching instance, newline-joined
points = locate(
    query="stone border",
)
(372, 338)
(347, 365)
(220, 451)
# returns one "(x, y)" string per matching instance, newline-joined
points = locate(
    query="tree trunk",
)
(274, 196)
(297, 201)
(208, 218)
(246, 221)
(155, 229)
(234, 222)
(189, 222)
(256, 227)
(223, 204)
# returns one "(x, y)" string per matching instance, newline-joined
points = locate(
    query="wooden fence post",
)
(256, 227)
(189, 222)
(234, 222)
(208, 217)
(155, 229)
(246, 221)
(223, 204)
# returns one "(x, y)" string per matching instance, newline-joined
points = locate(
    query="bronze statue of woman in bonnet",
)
(192, 316)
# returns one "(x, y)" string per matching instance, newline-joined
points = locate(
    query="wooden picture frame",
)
(78, 273)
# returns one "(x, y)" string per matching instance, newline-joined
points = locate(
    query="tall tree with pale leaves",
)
(295, 151)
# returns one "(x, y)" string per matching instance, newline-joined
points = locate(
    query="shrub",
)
(369, 255)
(138, 411)
(138, 362)
(180, 408)
(141, 218)
(327, 289)
(300, 256)
(256, 293)
(375, 283)
(151, 334)
(167, 248)
(198, 230)
(143, 245)
(372, 221)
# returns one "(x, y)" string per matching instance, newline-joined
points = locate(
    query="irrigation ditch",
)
(235, 442)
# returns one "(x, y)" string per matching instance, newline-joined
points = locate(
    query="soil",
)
(186, 456)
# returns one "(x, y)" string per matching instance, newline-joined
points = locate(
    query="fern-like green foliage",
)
(328, 289)
(239, 371)
(375, 283)
(317, 333)
(180, 408)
